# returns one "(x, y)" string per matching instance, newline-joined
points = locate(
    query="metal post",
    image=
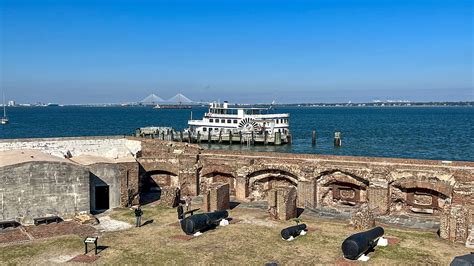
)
(337, 139)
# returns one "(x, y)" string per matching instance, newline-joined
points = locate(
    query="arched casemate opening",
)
(260, 182)
(337, 189)
(156, 179)
(419, 196)
(217, 177)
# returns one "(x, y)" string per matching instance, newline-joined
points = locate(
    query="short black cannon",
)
(293, 231)
(200, 222)
(358, 244)
(465, 260)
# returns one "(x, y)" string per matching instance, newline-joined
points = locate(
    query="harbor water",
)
(421, 133)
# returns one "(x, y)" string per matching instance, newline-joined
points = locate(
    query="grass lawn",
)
(254, 240)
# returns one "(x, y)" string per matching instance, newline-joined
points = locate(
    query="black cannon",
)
(293, 231)
(465, 260)
(199, 222)
(358, 244)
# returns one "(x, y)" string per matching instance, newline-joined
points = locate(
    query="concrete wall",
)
(109, 147)
(105, 174)
(36, 189)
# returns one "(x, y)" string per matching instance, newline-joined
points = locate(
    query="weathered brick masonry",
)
(389, 186)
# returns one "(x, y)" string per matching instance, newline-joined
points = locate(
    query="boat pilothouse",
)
(261, 124)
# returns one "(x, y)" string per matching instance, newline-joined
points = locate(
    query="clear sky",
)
(81, 51)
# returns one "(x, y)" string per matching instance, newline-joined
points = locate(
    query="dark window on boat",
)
(204, 129)
(222, 120)
(228, 121)
(235, 121)
(211, 120)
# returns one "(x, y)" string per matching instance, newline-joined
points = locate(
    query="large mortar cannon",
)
(199, 222)
(358, 244)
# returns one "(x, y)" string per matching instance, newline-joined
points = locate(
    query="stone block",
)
(282, 203)
(169, 197)
(217, 197)
(363, 219)
(378, 199)
(455, 223)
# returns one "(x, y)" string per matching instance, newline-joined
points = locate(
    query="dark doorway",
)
(102, 198)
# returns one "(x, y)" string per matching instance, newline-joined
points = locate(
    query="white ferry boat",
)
(256, 124)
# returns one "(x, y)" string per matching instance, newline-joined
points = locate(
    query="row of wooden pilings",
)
(249, 139)
(337, 138)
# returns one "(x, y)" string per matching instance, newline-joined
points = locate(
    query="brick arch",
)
(441, 187)
(261, 181)
(262, 174)
(294, 172)
(328, 177)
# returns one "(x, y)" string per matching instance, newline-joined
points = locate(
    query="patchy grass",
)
(255, 240)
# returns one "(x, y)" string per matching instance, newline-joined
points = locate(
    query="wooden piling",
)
(190, 140)
(278, 138)
(209, 136)
(181, 135)
(252, 140)
(163, 135)
(171, 135)
(240, 137)
(198, 138)
(265, 137)
(337, 139)
(220, 136)
(230, 137)
(313, 137)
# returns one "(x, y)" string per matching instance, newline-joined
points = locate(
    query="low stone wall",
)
(109, 147)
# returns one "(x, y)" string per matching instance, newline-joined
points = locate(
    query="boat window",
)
(228, 121)
(235, 121)
(222, 120)
(211, 120)
(204, 129)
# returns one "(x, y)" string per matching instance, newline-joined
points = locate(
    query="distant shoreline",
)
(302, 105)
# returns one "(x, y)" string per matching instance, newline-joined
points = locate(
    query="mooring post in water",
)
(265, 137)
(313, 137)
(163, 135)
(252, 140)
(198, 138)
(189, 137)
(230, 137)
(181, 135)
(278, 138)
(240, 137)
(337, 139)
(220, 136)
(171, 135)
(209, 136)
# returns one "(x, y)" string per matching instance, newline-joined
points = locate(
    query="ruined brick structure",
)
(389, 186)
(418, 188)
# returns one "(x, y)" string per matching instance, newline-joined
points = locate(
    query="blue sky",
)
(72, 51)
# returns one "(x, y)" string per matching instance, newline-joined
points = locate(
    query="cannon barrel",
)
(356, 245)
(292, 231)
(465, 260)
(202, 221)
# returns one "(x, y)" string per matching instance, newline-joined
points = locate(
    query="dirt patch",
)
(392, 240)
(12, 235)
(181, 237)
(59, 229)
(312, 229)
(345, 262)
(176, 224)
(234, 221)
(85, 258)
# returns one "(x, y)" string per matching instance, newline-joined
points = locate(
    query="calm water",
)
(425, 133)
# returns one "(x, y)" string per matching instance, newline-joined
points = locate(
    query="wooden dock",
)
(248, 138)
